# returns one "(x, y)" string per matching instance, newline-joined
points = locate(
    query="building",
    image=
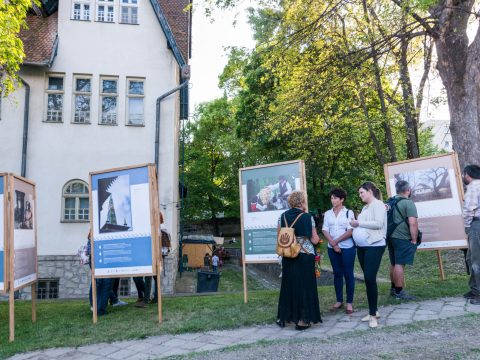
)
(91, 78)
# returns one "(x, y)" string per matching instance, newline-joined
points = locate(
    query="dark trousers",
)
(104, 288)
(140, 285)
(370, 258)
(473, 256)
(342, 264)
(114, 293)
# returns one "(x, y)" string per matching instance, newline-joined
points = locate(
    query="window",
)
(105, 11)
(124, 287)
(75, 201)
(135, 98)
(82, 90)
(108, 100)
(129, 11)
(54, 92)
(81, 10)
(47, 289)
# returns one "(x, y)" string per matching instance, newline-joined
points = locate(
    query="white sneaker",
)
(367, 317)
(120, 303)
(373, 323)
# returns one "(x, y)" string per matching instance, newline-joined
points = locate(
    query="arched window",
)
(75, 201)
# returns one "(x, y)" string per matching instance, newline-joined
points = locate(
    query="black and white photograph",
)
(429, 184)
(114, 204)
(23, 212)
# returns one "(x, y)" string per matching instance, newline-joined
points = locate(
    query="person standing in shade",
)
(402, 243)
(341, 251)
(369, 235)
(215, 260)
(298, 300)
(471, 218)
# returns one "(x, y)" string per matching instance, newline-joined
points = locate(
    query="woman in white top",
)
(369, 235)
(341, 251)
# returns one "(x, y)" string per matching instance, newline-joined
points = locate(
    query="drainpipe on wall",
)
(25, 128)
(157, 122)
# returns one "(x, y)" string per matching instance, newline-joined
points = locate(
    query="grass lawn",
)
(68, 323)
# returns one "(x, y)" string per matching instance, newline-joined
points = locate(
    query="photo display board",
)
(24, 238)
(438, 195)
(3, 220)
(263, 198)
(122, 218)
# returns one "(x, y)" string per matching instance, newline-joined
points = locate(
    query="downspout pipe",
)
(25, 128)
(157, 120)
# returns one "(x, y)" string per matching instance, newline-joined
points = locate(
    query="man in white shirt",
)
(215, 261)
(471, 218)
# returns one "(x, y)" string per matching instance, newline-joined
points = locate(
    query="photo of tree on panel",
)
(429, 184)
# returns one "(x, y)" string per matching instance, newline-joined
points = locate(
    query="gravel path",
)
(452, 338)
(405, 330)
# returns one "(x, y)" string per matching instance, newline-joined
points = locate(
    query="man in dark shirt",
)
(402, 244)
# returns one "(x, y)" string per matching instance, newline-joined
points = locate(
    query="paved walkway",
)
(167, 345)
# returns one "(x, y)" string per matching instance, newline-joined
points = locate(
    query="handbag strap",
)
(294, 221)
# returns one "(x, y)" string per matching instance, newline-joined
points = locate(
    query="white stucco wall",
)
(59, 152)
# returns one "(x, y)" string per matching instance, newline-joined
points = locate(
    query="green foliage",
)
(12, 19)
(213, 157)
(310, 91)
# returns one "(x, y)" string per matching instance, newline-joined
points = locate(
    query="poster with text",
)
(24, 234)
(437, 193)
(121, 222)
(264, 191)
(2, 234)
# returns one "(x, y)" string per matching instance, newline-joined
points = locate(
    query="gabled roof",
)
(176, 25)
(40, 39)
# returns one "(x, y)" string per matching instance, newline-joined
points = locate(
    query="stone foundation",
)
(74, 278)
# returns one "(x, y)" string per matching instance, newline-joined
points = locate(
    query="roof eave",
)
(172, 43)
(48, 63)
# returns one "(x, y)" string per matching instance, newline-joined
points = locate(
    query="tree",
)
(12, 19)
(458, 66)
(212, 159)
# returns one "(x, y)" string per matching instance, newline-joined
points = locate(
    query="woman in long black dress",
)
(298, 302)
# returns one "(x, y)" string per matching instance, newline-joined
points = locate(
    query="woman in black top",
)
(298, 302)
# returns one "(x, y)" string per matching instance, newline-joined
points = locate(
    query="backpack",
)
(287, 245)
(392, 206)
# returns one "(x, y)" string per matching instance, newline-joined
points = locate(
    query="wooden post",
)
(159, 292)
(94, 294)
(34, 302)
(245, 289)
(11, 310)
(440, 264)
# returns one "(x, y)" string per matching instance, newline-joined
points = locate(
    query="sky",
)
(209, 40)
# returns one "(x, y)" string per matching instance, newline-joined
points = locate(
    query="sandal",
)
(348, 311)
(336, 308)
(280, 323)
(302, 327)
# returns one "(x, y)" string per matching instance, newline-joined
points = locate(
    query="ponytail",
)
(368, 185)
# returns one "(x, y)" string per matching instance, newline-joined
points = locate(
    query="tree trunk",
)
(458, 66)
(379, 87)
(411, 126)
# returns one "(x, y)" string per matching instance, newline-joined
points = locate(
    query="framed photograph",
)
(123, 222)
(3, 233)
(23, 245)
(438, 195)
(263, 198)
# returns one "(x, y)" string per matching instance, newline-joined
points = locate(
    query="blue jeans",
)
(104, 289)
(342, 264)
